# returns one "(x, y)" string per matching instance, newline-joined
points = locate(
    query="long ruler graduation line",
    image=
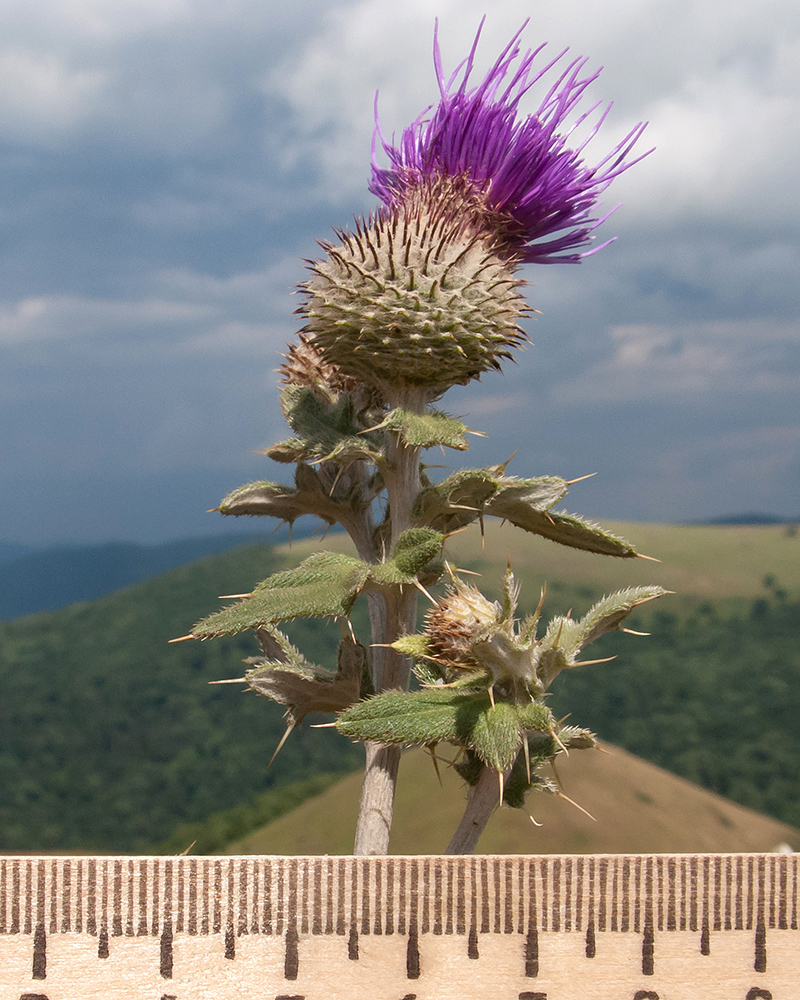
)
(467, 899)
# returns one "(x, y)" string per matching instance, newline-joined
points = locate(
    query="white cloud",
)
(690, 363)
(43, 95)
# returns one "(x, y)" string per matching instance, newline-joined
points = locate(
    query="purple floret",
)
(521, 169)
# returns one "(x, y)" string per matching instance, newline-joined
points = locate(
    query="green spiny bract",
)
(484, 676)
(414, 297)
(465, 632)
(286, 677)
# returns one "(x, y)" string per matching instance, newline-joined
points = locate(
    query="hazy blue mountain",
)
(10, 551)
(751, 517)
(110, 736)
(52, 578)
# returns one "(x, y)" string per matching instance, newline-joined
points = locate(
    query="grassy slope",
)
(157, 749)
(700, 560)
(638, 808)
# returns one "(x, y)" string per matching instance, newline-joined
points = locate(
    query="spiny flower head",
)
(517, 176)
(413, 300)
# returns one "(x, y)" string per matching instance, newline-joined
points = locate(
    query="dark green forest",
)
(713, 696)
(112, 740)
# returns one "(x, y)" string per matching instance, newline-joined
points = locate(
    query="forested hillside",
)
(54, 577)
(110, 738)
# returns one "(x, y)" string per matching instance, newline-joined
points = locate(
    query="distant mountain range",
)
(111, 737)
(34, 580)
(751, 518)
(44, 579)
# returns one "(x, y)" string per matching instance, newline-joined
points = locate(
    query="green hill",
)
(110, 738)
(637, 808)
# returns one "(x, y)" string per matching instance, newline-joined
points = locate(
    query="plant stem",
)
(402, 478)
(377, 800)
(484, 798)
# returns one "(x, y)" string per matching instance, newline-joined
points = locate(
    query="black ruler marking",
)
(365, 889)
(455, 886)
(112, 897)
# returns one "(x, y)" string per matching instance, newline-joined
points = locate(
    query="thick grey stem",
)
(402, 478)
(380, 779)
(377, 800)
(484, 798)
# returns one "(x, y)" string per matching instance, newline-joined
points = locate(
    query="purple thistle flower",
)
(535, 195)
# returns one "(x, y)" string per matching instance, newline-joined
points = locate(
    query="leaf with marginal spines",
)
(576, 533)
(287, 503)
(440, 714)
(323, 429)
(565, 637)
(324, 585)
(427, 429)
(469, 494)
(303, 688)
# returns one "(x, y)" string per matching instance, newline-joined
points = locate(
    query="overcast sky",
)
(166, 164)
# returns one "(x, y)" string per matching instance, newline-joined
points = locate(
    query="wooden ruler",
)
(661, 927)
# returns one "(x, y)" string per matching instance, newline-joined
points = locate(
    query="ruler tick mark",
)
(472, 943)
(591, 943)
(648, 947)
(352, 945)
(39, 953)
(760, 963)
(291, 964)
(165, 959)
(705, 939)
(412, 955)
(532, 952)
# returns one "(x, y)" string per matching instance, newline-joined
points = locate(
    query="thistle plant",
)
(422, 295)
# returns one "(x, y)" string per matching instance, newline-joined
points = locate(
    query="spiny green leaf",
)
(567, 529)
(425, 430)
(469, 494)
(608, 614)
(435, 715)
(522, 501)
(322, 429)
(415, 548)
(325, 584)
(306, 688)
(284, 502)
(495, 734)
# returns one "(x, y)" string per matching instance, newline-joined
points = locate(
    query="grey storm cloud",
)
(166, 164)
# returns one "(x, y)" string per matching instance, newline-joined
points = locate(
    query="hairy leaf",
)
(425, 430)
(325, 584)
(323, 429)
(305, 688)
(567, 529)
(435, 715)
(469, 494)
